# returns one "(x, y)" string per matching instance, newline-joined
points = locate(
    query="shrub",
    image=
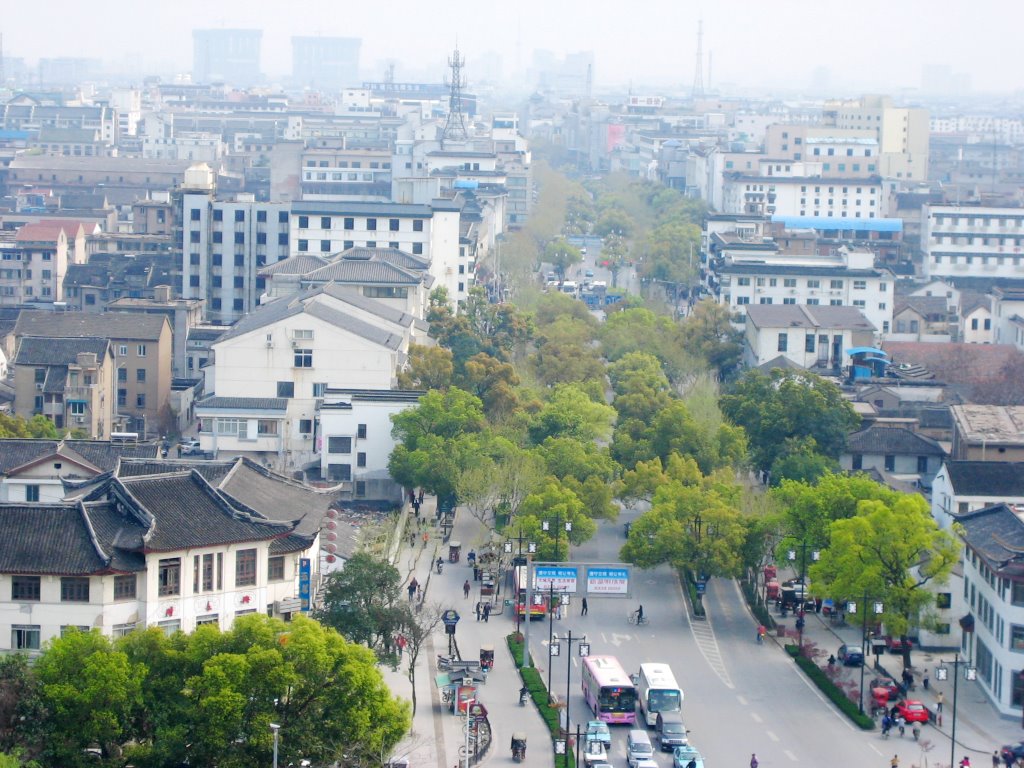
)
(830, 689)
(690, 587)
(534, 683)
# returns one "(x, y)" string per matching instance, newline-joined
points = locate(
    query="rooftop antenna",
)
(455, 123)
(698, 75)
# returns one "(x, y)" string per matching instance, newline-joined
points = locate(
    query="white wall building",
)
(1008, 316)
(808, 336)
(972, 241)
(965, 486)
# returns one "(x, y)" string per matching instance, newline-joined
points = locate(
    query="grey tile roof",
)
(295, 265)
(55, 377)
(804, 316)
(48, 539)
(378, 308)
(106, 455)
(35, 350)
(211, 471)
(101, 325)
(363, 272)
(188, 513)
(245, 403)
(355, 326)
(394, 256)
(278, 498)
(893, 441)
(926, 306)
(993, 479)
(996, 533)
(744, 268)
(16, 452)
(120, 536)
(264, 315)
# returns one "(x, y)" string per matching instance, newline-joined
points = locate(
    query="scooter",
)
(524, 694)
(440, 565)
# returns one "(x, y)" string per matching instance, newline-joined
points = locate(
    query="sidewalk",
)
(980, 729)
(436, 734)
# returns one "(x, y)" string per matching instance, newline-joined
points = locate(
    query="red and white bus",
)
(608, 690)
(539, 608)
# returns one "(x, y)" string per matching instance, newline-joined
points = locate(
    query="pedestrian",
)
(583, 612)
(479, 610)
(1008, 758)
(412, 539)
(487, 612)
(400, 644)
(895, 762)
(966, 762)
(426, 538)
(419, 592)
(412, 588)
(465, 589)
(421, 496)
(939, 698)
(995, 759)
(753, 760)
(908, 679)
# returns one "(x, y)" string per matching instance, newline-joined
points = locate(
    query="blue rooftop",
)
(840, 222)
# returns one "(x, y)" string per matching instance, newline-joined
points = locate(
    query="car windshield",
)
(673, 728)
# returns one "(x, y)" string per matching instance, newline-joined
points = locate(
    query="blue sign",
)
(701, 587)
(304, 578)
(450, 617)
(555, 578)
(607, 580)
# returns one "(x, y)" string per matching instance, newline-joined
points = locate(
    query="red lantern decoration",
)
(246, 599)
(169, 611)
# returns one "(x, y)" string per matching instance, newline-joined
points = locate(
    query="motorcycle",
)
(519, 746)
(440, 565)
(524, 694)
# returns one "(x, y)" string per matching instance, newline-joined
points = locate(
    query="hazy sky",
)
(878, 44)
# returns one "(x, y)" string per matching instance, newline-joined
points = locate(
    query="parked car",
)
(189, 447)
(583, 250)
(897, 645)
(599, 731)
(851, 655)
(913, 711)
(681, 757)
(589, 273)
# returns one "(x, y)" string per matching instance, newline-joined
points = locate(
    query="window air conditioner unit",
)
(79, 419)
(39, 387)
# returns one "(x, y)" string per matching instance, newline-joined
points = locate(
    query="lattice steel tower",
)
(698, 72)
(455, 123)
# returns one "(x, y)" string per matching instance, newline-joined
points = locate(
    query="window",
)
(140, 400)
(361, 431)
(417, 249)
(303, 222)
(239, 215)
(360, 459)
(261, 216)
(305, 426)
(140, 375)
(350, 223)
(809, 342)
(218, 214)
(282, 217)
(339, 472)
(789, 282)
(141, 350)
(266, 428)
(218, 237)
(417, 225)
(339, 445)
(210, 618)
(25, 637)
(282, 238)
(890, 463)
(245, 568)
(325, 246)
(303, 245)
(24, 588)
(74, 589)
(303, 358)
(169, 577)
(858, 461)
(944, 600)
(371, 224)
(31, 493)
(743, 281)
(286, 389)
(393, 225)
(319, 388)
(325, 222)
(202, 573)
(275, 568)
(742, 299)
(860, 285)
(922, 464)
(835, 284)
(125, 586)
(170, 626)
(122, 630)
(783, 342)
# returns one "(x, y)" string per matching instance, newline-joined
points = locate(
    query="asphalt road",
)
(740, 697)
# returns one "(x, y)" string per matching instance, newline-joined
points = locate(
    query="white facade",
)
(802, 189)
(971, 241)
(976, 325)
(1008, 316)
(806, 336)
(948, 502)
(847, 278)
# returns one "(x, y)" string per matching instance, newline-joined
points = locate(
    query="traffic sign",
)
(450, 617)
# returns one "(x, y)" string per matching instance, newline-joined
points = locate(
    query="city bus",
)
(658, 691)
(608, 690)
(539, 608)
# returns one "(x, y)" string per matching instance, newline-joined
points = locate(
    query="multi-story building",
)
(849, 153)
(228, 55)
(142, 346)
(34, 262)
(901, 133)
(69, 381)
(355, 174)
(848, 278)
(972, 241)
(807, 336)
(327, 63)
(160, 544)
(182, 314)
(1008, 315)
(988, 432)
(224, 243)
(965, 486)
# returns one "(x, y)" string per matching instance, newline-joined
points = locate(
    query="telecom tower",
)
(698, 73)
(455, 123)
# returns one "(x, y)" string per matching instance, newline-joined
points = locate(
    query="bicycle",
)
(635, 618)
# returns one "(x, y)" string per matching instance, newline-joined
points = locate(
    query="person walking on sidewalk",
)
(995, 759)
(895, 762)
(583, 611)
(479, 610)
(487, 612)
(939, 698)
(465, 589)
(753, 760)
(412, 588)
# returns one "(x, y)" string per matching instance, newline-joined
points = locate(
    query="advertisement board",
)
(608, 580)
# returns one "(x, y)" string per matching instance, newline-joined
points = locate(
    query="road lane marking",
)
(772, 736)
(704, 633)
(742, 700)
(791, 756)
(618, 639)
(756, 717)
(603, 638)
(877, 751)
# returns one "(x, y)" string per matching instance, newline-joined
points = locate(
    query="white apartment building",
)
(972, 241)
(809, 336)
(965, 486)
(1008, 316)
(847, 278)
(431, 231)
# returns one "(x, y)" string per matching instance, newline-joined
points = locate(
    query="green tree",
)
(428, 368)
(362, 602)
(439, 414)
(494, 382)
(89, 691)
(38, 427)
(556, 505)
(614, 222)
(561, 254)
(708, 331)
(800, 461)
(579, 458)
(788, 404)
(570, 412)
(21, 712)
(891, 551)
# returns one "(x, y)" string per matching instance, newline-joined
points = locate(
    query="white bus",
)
(658, 691)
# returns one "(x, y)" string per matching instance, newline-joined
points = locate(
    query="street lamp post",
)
(274, 727)
(941, 673)
(546, 526)
(584, 650)
(877, 608)
(519, 561)
(815, 554)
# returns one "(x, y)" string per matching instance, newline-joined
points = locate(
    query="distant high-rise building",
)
(325, 62)
(231, 55)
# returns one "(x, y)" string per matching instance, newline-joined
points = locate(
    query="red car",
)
(913, 711)
(896, 645)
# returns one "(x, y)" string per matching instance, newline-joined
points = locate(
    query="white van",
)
(638, 747)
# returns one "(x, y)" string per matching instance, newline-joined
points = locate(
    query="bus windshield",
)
(614, 698)
(664, 701)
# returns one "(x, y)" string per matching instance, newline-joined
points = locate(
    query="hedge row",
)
(830, 689)
(534, 683)
(690, 587)
(758, 608)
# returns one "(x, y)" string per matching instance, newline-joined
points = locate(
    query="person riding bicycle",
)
(640, 615)
(886, 725)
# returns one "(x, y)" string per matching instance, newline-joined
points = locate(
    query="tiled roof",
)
(105, 325)
(56, 375)
(992, 479)
(355, 326)
(47, 539)
(926, 306)
(120, 536)
(892, 441)
(47, 231)
(278, 498)
(996, 533)
(394, 256)
(372, 306)
(245, 403)
(747, 268)
(188, 513)
(264, 315)
(954, 363)
(17, 452)
(295, 265)
(805, 316)
(211, 471)
(34, 350)
(106, 455)
(363, 272)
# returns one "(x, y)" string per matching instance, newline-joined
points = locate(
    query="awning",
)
(866, 351)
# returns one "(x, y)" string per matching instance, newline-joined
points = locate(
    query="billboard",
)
(583, 579)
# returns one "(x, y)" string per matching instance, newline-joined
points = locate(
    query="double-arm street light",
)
(519, 560)
(815, 554)
(554, 649)
(877, 609)
(942, 673)
(559, 527)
